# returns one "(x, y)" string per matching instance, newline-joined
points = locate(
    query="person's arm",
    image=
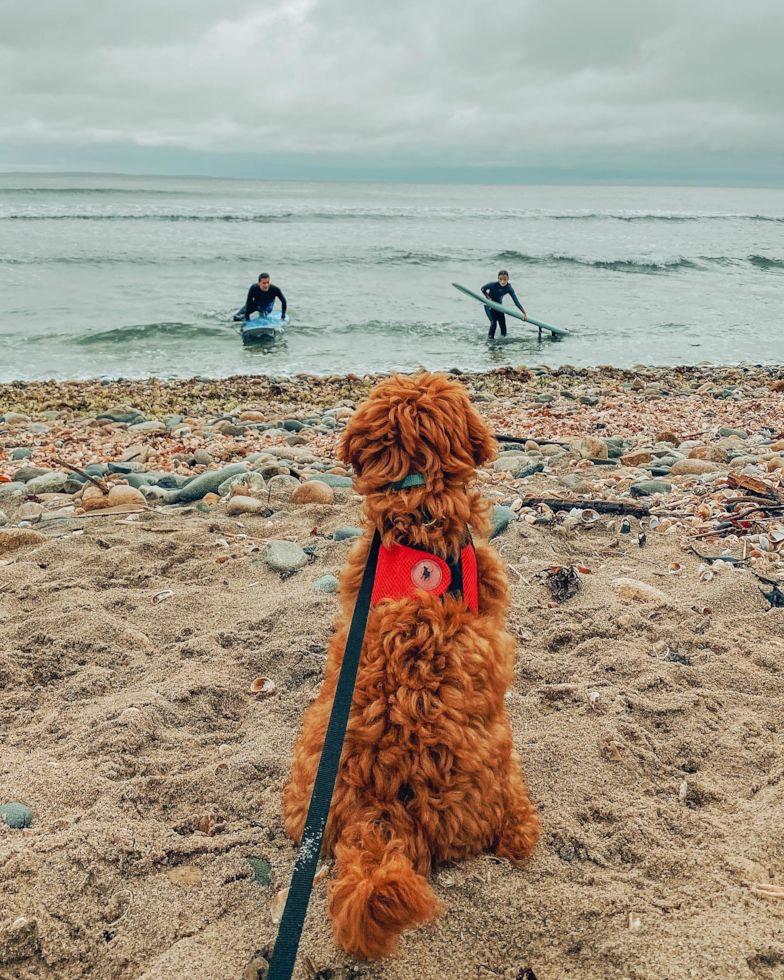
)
(250, 305)
(282, 299)
(486, 290)
(517, 302)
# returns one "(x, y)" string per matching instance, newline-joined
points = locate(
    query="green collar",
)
(412, 480)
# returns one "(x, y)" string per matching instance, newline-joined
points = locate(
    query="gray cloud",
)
(515, 84)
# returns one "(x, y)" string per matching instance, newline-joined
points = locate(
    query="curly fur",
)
(429, 773)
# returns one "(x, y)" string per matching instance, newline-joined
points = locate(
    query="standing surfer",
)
(261, 298)
(496, 292)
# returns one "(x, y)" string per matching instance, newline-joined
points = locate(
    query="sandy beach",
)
(648, 705)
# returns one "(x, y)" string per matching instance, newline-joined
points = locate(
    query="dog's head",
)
(423, 425)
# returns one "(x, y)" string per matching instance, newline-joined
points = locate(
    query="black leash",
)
(290, 932)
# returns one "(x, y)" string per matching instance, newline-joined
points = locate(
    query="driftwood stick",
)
(501, 437)
(600, 506)
(98, 483)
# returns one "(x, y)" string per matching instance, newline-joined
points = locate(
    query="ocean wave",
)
(641, 266)
(766, 263)
(147, 331)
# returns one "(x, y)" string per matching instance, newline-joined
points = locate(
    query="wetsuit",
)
(496, 292)
(262, 302)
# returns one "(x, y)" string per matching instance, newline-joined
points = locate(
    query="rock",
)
(124, 469)
(15, 418)
(21, 453)
(251, 416)
(131, 418)
(281, 488)
(243, 504)
(38, 428)
(30, 511)
(588, 447)
(16, 815)
(261, 871)
(551, 450)
(3, 518)
(332, 481)
(251, 480)
(713, 453)
(52, 482)
(346, 533)
(172, 421)
(693, 467)
(637, 457)
(544, 399)
(9, 489)
(508, 462)
(614, 447)
(726, 431)
(630, 588)
(327, 583)
(137, 454)
(26, 473)
(298, 453)
(777, 386)
(122, 495)
(501, 519)
(151, 426)
(526, 471)
(647, 488)
(775, 447)
(19, 537)
(313, 492)
(667, 436)
(774, 464)
(589, 399)
(208, 482)
(284, 556)
(202, 457)
(293, 425)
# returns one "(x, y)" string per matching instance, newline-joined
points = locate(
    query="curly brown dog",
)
(428, 773)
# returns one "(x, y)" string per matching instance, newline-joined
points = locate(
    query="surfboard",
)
(513, 311)
(263, 328)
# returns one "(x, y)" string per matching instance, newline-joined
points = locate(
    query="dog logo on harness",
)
(426, 575)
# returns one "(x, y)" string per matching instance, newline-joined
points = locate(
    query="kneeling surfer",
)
(496, 292)
(262, 296)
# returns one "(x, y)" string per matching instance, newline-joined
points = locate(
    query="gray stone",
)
(21, 453)
(332, 480)
(589, 399)
(329, 423)
(296, 440)
(327, 583)
(30, 511)
(281, 488)
(726, 432)
(207, 482)
(501, 519)
(250, 479)
(269, 470)
(15, 417)
(545, 398)
(614, 447)
(8, 489)
(647, 488)
(125, 468)
(3, 518)
(16, 815)
(261, 874)
(26, 473)
(38, 428)
(151, 426)
(293, 425)
(53, 482)
(97, 469)
(172, 421)
(529, 470)
(202, 457)
(346, 533)
(284, 556)
(130, 418)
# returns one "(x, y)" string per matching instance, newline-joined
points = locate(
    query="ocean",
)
(115, 276)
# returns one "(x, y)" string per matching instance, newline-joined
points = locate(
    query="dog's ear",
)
(480, 439)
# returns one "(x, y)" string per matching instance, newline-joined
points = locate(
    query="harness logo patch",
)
(426, 575)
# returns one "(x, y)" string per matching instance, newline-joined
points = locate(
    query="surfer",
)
(262, 296)
(496, 292)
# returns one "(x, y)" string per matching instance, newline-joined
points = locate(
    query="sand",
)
(129, 729)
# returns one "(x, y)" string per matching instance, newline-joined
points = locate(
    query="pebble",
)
(52, 482)
(346, 533)
(630, 588)
(293, 425)
(8, 489)
(588, 447)
(647, 488)
(15, 417)
(29, 511)
(281, 488)
(529, 470)
(284, 556)
(251, 480)
(333, 481)
(589, 399)
(26, 473)
(313, 492)
(501, 519)
(693, 467)
(327, 583)
(150, 426)
(16, 815)
(207, 483)
(21, 454)
(202, 457)
(3, 518)
(740, 433)
(242, 504)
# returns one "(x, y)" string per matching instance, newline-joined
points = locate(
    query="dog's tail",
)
(377, 893)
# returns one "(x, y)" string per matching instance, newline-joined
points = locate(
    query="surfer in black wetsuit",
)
(262, 296)
(496, 292)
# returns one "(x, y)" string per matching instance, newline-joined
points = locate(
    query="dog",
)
(428, 773)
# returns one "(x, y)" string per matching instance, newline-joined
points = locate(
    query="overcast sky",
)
(681, 90)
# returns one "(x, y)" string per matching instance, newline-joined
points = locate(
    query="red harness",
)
(404, 571)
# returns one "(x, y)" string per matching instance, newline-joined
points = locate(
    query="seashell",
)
(263, 686)
(277, 905)
(675, 568)
(707, 574)
(129, 714)
(589, 516)
(224, 751)
(517, 505)
(162, 596)
(633, 921)
(660, 648)
(683, 790)
(221, 768)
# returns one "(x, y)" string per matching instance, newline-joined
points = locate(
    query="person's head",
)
(503, 277)
(264, 281)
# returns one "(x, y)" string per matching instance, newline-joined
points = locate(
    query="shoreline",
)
(646, 704)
